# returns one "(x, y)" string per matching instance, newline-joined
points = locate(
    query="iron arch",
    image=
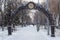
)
(40, 8)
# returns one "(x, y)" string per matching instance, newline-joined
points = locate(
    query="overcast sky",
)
(36, 1)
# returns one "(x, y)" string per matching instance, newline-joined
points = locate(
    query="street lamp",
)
(2, 15)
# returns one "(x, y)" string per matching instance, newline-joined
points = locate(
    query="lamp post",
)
(47, 19)
(2, 15)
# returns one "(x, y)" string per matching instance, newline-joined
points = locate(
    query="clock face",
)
(31, 5)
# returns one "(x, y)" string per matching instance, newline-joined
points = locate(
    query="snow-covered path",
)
(28, 33)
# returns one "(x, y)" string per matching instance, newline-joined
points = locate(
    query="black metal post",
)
(9, 27)
(52, 28)
(2, 21)
(52, 24)
(52, 31)
(9, 30)
(38, 23)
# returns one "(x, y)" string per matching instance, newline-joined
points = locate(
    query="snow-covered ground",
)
(28, 33)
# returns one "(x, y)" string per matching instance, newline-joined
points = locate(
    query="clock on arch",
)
(31, 5)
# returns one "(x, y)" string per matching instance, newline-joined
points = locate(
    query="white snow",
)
(28, 33)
